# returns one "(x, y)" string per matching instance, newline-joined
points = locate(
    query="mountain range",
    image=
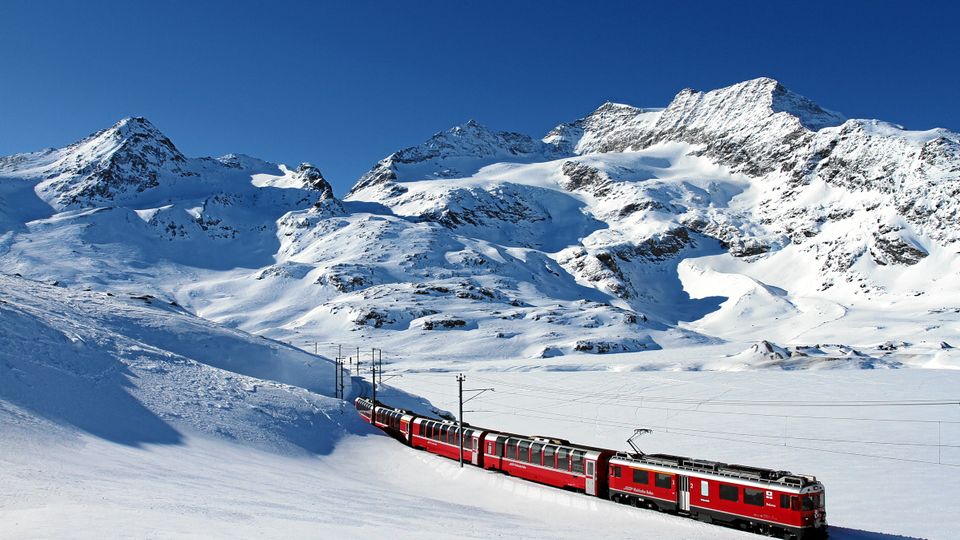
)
(743, 214)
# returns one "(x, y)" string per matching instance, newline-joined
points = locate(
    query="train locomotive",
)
(764, 501)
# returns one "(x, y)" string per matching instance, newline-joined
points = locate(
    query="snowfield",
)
(60, 483)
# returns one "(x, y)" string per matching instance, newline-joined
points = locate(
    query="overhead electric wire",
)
(715, 434)
(712, 435)
(612, 400)
(561, 416)
(745, 403)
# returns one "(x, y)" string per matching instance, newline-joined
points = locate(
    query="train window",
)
(590, 465)
(535, 456)
(512, 449)
(784, 501)
(549, 456)
(794, 503)
(523, 451)
(563, 459)
(704, 488)
(615, 471)
(729, 493)
(753, 496)
(812, 502)
(641, 477)
(664, 481)
(577, 461)
(499, 451)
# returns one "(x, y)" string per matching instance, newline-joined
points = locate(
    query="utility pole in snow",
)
(338, 382)
(460, 378)
(373, 381)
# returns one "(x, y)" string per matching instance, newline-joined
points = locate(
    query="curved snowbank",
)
(138, 371)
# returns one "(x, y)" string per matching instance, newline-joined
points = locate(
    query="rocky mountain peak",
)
(130, 135)
(132, 126)
(455, 152)
(611, 127)
(470, 139)
(128, 157)
(313, 178)
(742, 104)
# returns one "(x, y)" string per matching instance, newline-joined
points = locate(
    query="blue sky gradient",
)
(343, 84)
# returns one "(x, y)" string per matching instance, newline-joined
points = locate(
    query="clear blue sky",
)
(342, 84)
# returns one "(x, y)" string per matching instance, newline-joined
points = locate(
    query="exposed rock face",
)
(613, 127)
(313, 178)
(890, 248)
(584, 177)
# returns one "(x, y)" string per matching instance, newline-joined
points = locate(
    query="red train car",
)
(396, 422)
(443, 438)
(364, 408)
(554, 462)
(761, 500)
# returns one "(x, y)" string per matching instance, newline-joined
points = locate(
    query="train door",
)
(591, 469)
(683, 493)
(477, 449)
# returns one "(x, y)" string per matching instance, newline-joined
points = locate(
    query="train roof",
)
(549, 441)
(716, 468)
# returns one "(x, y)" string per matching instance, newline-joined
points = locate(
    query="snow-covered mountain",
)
(746, 213)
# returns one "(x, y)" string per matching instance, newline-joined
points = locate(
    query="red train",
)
(775, 503)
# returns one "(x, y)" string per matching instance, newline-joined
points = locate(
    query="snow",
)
(368, 488)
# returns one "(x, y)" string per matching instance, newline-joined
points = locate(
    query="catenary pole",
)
(460, 379)
(373, 380)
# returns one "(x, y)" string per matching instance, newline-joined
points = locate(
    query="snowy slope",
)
(137, 370)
